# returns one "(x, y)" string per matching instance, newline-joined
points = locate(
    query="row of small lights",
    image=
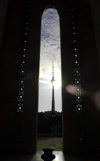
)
(77, 74)
(23, 55)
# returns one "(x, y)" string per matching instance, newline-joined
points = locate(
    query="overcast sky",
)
(50, 52)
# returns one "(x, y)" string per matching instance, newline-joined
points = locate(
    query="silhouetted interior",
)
(18, 130)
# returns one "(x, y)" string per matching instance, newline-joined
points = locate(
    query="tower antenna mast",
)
(52, 81)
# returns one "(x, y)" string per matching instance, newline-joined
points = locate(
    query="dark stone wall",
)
(3, 10)
(75, 126)
(84, 126)
(12, 43)
(95, 9)
(90, 77)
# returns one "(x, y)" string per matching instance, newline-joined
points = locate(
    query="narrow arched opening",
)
(50, 93)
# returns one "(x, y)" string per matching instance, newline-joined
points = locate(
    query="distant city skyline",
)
(50, 52)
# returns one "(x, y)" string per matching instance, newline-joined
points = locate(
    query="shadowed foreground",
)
(53, 142)
(37, 157)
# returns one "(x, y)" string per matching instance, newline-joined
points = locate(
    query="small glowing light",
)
(76, 55)
(76, 62)
(24, 55)
(22, 81)
(78, 100)
(74, 33)
(25, 41)
(23, 62)
(75, 49)
(79, 109)
(24, 49)
(77, 71)
(74, 40)
(77, 82)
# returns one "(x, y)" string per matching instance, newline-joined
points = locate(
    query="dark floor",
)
(37, 157)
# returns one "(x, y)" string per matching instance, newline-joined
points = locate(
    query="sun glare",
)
(45, 77)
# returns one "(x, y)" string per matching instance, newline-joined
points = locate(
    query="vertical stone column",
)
(3, 13)
(95, 10)
(30, 108)
(88, 124)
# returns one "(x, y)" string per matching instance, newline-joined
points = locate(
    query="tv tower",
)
(52, 81)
